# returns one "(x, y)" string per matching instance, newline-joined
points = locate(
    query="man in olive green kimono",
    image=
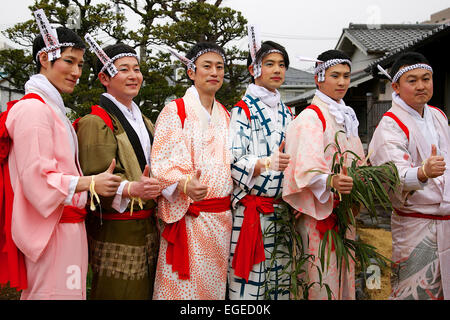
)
(122, 231)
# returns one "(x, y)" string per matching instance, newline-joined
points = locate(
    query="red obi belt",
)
(421, 215)
(329, 222)
(250, 246)
(177, 253)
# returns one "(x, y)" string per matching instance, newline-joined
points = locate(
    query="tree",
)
(94, 18)
(200, 21)
(178, 24)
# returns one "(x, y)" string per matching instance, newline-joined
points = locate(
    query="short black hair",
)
(203, 46)
(112, 51)
(200, 46)
(408, 58)
(266, 46)
(64, 35)
(333, 54)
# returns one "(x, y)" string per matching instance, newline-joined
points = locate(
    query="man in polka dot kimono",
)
(191, 152)
(257, 128)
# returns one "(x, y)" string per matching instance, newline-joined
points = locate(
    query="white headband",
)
(254, 44)
(409, 68)
(108, 63)
(190, 63)
(404, 70)
(322, 67)
(50, 36)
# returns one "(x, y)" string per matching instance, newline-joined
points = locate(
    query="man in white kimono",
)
(415, 136)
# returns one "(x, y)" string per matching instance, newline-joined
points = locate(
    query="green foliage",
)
(289, 249)
(371, 185)
(15, 67)
(177, 24)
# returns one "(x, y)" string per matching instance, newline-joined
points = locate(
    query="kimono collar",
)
(427, 118)
(192, 90)
(133, 114)
(39, 83)
(399, 101)
(193, 98)
(343, 114)
(271, 99)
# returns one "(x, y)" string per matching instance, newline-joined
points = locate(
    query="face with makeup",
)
(125, 85)
(273, 71)
(209, 73)
(337, 81)
(64, 72)
(415, 87)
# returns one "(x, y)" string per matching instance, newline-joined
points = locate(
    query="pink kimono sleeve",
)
(305, 144)
(32, 129)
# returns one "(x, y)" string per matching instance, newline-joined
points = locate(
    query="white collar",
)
(426, 120)
(193, 91)
(133, 114)
(39, 84)
(413, 112)
(269, 98)
(343, 114)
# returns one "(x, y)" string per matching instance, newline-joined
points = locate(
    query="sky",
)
(304, 28)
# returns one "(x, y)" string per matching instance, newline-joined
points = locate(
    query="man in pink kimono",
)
(47, 216)
(415, 136)
(191, 160)
(308, 191)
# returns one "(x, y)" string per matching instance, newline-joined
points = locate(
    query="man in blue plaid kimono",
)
(258, 125)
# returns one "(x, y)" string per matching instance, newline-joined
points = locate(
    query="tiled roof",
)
(386, 37)
(296, 77)
(436, 33)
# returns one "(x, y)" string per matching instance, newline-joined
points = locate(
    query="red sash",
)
(250, 246)
(73, 214)
(319, 114)
(100, 112)
(329, 222)
(422, 215)
(177, 253)
(181, 109)
(137, 215)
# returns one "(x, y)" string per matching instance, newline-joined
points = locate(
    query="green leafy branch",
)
(288, 250)
(371, 186)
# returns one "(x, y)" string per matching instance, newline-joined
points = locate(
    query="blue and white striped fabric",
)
(250, 142)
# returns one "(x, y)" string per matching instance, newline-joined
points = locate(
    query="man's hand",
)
(146, 188)
(194, 188)
(341, 182)
(434, 166)
(106, 183)
(279, 160)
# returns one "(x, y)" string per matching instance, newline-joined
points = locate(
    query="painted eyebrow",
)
(271, 60)
(73, 58)
(127, 65)
(209, 61)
